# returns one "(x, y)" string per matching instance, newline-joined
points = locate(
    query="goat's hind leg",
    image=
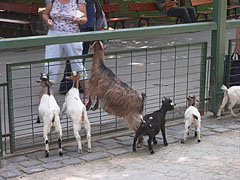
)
(233, 102)
(59, 131)
(46, 130)
(186, 132)
(78, 138)
(224, 102)
(88, 131)
(150, 144)
(197, 131)
(154, 140)
(137, 135)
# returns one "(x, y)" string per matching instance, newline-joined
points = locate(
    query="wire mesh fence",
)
(174, 72)
(4, 128)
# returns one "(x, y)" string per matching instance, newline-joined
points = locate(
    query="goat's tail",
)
(225, 89)
(195, 117)
(143, 103)
(134, 121)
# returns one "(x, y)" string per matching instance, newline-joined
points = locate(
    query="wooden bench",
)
(110, 10)
(205, 13)
(18, 9)
(232, 7)
(139, 7)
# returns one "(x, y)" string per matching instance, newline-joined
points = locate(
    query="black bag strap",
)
(98, 5)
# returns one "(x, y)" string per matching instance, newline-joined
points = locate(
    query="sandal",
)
(86, 100)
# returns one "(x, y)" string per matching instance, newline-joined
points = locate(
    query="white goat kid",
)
(233, 96)
(76, 111)
(192, 115)
(49, 113)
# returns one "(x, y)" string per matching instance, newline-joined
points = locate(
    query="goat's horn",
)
(74, 73)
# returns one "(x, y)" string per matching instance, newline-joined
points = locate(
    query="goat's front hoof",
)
(182, 141)
(165, 144)
(89, 150)
(134, 149)
(38, 120)
(219, 117)
(80, 151)
(151, 152)
(93, 108)
(139, 145)
(155, 142)
(46, 154)
(195, 134)
(199, 140)
(60, 153)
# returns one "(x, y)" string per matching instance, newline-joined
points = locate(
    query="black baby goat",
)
(153, 123)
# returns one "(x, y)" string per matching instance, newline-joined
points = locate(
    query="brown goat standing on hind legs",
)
(116, 97)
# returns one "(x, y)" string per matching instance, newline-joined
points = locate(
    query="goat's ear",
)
(38, 81)
(188, 98)
(93, 43)
(104, 47)
(68, 77)
(50, 82)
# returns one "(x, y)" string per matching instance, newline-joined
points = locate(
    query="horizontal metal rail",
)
(105, 35)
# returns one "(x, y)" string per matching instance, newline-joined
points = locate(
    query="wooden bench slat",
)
(205, 12)
(110, 8)
(13, 21)
(19, 8)
(149, 17)
(200, 2)
(118, 19)
(142, 7)
(233, 7)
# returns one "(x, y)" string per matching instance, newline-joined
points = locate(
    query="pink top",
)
(62, 15)
(237, 45)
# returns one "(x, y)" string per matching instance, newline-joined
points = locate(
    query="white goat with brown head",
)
(116, 97)
(76, 111)
(192, 116)
(231, 95)
(48, 111)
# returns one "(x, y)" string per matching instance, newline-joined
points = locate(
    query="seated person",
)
(170, 8)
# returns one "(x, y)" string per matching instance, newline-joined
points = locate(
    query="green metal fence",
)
(175, 72)
(218, 28)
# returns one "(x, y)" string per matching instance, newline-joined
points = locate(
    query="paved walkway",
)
(216, 157)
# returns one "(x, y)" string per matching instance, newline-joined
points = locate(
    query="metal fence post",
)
(218, 53)
(10, 108)
(0, 134)
(203, 78)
